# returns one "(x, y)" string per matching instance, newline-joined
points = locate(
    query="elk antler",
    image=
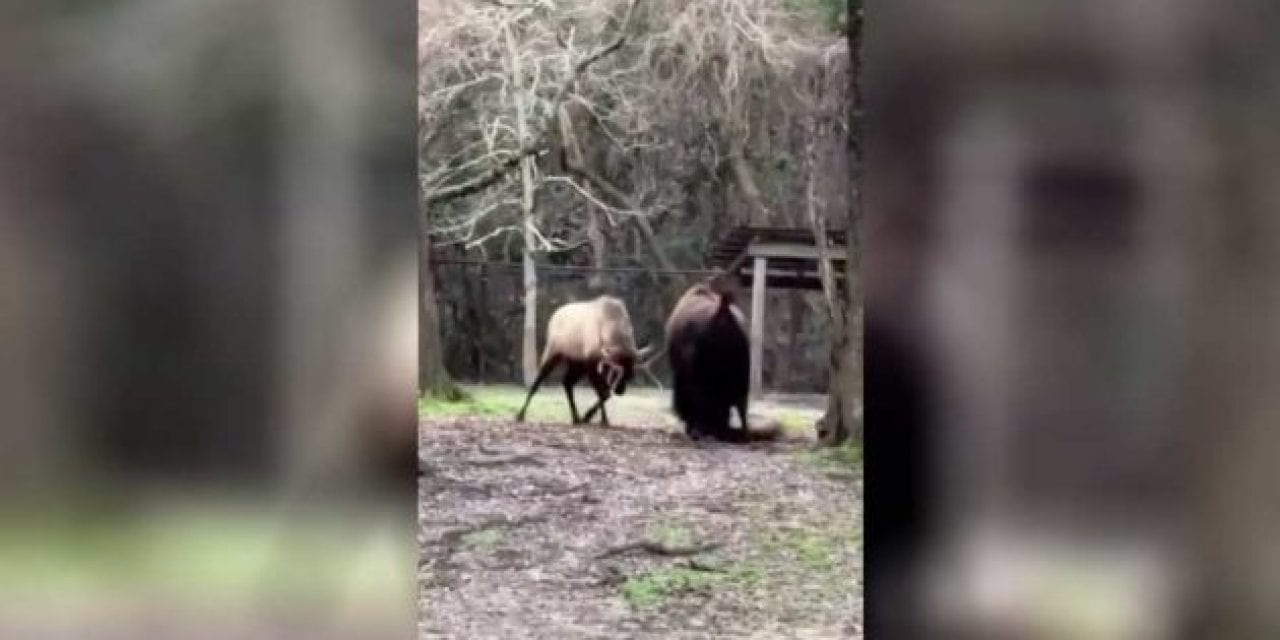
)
(644, 352)
(614, 375)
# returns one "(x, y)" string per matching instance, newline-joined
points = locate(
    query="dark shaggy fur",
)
(710, 359)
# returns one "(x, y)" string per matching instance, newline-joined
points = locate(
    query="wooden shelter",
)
(780, 257)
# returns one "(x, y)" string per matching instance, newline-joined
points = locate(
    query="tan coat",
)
(590, 330)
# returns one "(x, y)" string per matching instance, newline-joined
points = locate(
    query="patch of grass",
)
(744, 575)
(795, 422)
(471, 405)
(848, 454)
(447, 392)
(483, 539)
(503, 402)
(670, 534)
(651, 589)
(638, 406)
(846, 457)
(656, 587)
(814, 551)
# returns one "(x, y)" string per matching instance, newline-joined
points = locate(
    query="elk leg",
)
(543, 372)
(602, 394)
(598, 406)
(571, 377)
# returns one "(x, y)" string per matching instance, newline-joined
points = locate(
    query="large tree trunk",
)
(529, 357)
(432, 376)
(842, 420)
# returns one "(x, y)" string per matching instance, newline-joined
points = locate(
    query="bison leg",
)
(547, 368)
(741, 405)
(602, 394)
(571, 377)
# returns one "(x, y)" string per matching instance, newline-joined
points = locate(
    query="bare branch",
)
(658, 548)
(481, 182)
(538, 142)
(590, 198)
(619, 195)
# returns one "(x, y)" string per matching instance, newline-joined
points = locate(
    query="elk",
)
(710, 359)
(592, 338)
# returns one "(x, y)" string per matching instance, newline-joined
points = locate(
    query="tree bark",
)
(529, 358)
(432, 376)
(595, 237)
(746, 181)
(842, 420)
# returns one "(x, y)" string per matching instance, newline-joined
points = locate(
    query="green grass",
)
(654, 588)
(819, 555)
(795, 422)
(482, 540)
(503, 402)
(670, 534)
(473, 405)
(638, 406)
(814, 551)
(846, 457)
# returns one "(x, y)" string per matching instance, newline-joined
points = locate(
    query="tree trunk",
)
(746, 182)
(482, 321)
(595, 237)
(432, 376)
(529, 359)
(842, 421)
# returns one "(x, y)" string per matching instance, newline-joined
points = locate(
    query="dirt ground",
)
(546, 530)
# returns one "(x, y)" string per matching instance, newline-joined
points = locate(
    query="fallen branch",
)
(451, 537)
(698, 565)
(657, 548)
(561, 491)
(500, 460)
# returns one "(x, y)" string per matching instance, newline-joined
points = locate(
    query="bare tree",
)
(518, 51)
(843, 420)
(677, 102)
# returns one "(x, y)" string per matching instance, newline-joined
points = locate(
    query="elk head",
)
(617, 367)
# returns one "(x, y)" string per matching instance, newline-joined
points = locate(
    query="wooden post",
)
(758, 277)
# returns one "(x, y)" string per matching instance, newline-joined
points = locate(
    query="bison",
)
(592, 338)
(710, 360)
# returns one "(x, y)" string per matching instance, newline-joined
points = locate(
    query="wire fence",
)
(482, 317)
